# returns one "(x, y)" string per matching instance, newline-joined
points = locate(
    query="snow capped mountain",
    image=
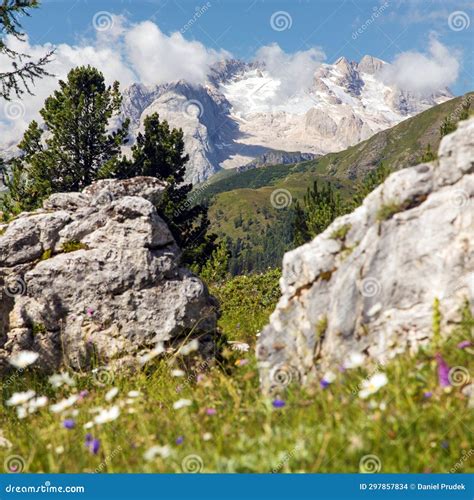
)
(242, 112)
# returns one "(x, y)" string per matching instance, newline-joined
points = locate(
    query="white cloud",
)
(123, 52)
(424, 73)
(158, 58)
(294, 71)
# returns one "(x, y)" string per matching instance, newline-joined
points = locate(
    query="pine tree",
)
(322, 206)
(159, 152)
(447, 127)
(23, 72)
(428, 155)
(301, 232)
(78, 148)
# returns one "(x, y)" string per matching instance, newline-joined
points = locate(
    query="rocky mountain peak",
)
(369, 64)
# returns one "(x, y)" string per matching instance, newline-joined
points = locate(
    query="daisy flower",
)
(372, 385)
(239, 346)
(354, 360)
(64, 404)
(111, 394)
(59, 379)
(155, 451)
(20, 398)
(23, 359)
(182, 403)
(107, 415)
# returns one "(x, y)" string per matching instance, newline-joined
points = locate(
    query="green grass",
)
(388, 210)
(318, 430)
(73, 246)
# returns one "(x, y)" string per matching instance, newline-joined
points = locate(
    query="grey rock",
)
(97, 273)
(372, 291)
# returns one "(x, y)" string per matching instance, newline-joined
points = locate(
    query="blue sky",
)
(243, 26)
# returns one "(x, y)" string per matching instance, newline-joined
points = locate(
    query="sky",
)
(429, 42)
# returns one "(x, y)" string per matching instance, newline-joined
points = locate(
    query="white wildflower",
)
(159, 349)
(23, 359)
(189, 347)
(88, 425)
(134, 394)
(181, 403)
(36, 403)
(178, 373)
(59, 379)
(372, 385)
(19, 398)
(107, 415)
(21, 412)
(239, 346)
(64, 404)
(111, 394)
(207, 436)
(154, 451)
(354, 360)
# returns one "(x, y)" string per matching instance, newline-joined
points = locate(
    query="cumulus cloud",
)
(158, 58)
(294, 71)
(122, 51)
(424, 73)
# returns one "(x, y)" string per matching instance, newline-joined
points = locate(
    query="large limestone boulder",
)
(367, 285)
(97, 274)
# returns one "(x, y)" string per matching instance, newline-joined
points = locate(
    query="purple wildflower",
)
(278, 403)
(427, 394)
(211, 411)
(464, 344)
(179, 440)
(443, 371)
(445, 444)
(69, 423)
(83, 394)
(92, 444)
(324, 384)
(89, 312)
